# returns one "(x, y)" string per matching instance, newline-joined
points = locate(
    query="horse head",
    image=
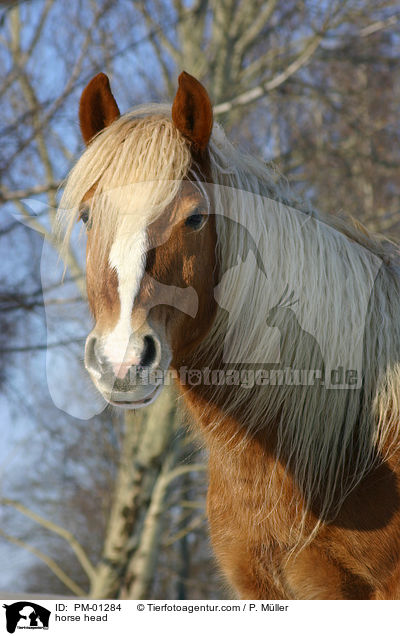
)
(151, 269)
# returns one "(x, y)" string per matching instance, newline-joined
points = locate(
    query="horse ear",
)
(97, 107)
(192, 111)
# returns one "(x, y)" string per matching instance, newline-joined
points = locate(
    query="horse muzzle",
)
(134, 380)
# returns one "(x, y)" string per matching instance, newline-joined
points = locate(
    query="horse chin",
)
(131, 401)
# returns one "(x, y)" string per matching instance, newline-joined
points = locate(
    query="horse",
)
(303, 497)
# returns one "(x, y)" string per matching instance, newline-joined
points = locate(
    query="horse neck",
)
(208, 404)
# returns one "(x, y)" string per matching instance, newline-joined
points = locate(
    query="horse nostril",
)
(93, 361)
(149, 352)
(90, 355)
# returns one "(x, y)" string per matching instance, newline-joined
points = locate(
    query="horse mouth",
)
(122, 400)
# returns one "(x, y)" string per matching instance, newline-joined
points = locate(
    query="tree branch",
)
(185, 531)
(56, 529)
(14, 195)
(379, 26)
(259, 91)
(51, 564)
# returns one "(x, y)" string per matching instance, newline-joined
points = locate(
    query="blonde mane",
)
(347, 285)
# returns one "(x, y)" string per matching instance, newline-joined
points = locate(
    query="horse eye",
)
(196, 220)
(84, 214)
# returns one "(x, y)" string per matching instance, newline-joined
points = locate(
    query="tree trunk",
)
(129, 556)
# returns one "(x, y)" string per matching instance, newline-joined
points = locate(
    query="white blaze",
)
(128, 258)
